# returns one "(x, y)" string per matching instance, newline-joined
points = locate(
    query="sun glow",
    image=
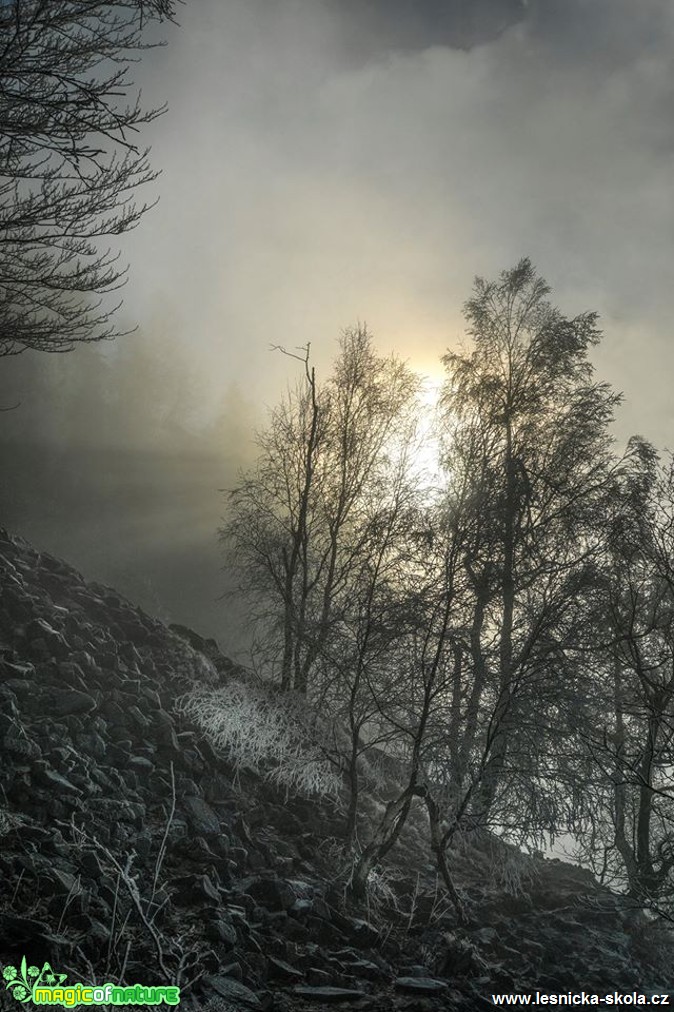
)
(428, 443)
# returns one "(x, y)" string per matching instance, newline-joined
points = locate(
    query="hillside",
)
(131, 850)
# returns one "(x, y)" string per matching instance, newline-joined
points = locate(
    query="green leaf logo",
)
(22, 981)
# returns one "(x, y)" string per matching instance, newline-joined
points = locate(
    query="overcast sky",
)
(333, 161)
(327, 161)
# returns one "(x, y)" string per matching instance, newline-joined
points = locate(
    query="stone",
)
(328, 993)
(279, 969)
(222, 931)
(201, 816)
(319, 978)
(45, 641)
(49, 778)
(421, 985)
(361, 932)
(301, 908)
(196, 889)
(62, 702)
(236, 993)
(72, 675)
(20, 745)
(138, 717)
(93, 744)
(67, 882)
(272, 893)
(118, 755)
(366, 969)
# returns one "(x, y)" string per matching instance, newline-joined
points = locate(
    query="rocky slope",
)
(130, 850)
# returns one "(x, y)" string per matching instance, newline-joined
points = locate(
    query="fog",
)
(328, 162)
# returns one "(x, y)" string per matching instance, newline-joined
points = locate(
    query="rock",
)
(460, 958)
(45, 641)
(49, 778)
(138, 717)
(118, 754)
(319, 978)
(16, 605)
(295, 931)
(272, 893)
(68, 883)
(236, 994)
(113, 712)
(366, 969)
(361, 933)
(324, 932)
(421, 985)
(166, 730)
(414, 970)
(15, 671)
(93, 744)
(72, 675)
(148, 692)
(278, 968)
(222, 931)
(301, 908)
(62, 702)
(487, 936)
(196, 889)
(201, 817)
(327, 993)
(20, 744)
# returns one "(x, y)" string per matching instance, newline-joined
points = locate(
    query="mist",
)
(324, 163)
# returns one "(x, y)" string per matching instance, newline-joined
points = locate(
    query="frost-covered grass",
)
(263, 731)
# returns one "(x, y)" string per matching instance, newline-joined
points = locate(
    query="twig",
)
(162, 848)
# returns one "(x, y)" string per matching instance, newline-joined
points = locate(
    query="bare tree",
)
(301, 523)
(270, 524)
(70, 164)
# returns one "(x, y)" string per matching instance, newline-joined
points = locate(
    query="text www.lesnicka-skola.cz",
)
(571, 998)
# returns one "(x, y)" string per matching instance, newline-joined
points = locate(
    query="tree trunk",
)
(440, 853)
(498, 744)
(643, 830)
(385, 836)
(354, 789)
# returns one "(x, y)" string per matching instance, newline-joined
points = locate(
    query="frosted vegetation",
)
(263, 732)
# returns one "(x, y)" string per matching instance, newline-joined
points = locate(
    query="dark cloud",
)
(375, 26)
(601, 34)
